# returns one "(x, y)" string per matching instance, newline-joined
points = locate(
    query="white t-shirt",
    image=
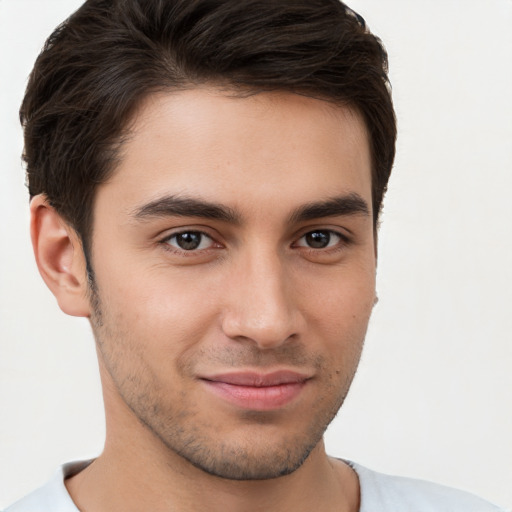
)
(379, 493)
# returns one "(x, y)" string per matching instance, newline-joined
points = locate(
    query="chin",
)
(237, 463)
(261, 452)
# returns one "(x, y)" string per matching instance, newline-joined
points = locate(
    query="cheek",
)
(157, 312)
(343, 300)
(339, 317)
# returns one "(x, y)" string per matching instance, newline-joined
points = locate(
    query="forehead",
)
(246, 151)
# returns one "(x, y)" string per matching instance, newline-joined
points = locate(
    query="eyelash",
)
(192, 252)
(342, 242)
(339, 246)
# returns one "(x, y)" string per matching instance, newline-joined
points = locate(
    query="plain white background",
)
(433, 396)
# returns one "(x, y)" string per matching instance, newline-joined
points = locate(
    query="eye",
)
(320, 239)
(190, 241)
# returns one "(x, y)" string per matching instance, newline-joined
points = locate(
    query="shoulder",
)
(388, 493)
(53, 496)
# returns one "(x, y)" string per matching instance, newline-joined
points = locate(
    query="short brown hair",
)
(97, 66)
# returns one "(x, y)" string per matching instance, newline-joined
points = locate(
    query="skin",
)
(258, 294)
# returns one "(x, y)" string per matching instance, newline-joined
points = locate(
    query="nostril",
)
(265, 331)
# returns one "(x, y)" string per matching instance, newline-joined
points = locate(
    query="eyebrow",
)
(172, 206)
(349, 204)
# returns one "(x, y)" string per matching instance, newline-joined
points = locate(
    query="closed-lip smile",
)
(255, 390)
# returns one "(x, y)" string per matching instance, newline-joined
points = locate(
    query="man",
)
(206, 181)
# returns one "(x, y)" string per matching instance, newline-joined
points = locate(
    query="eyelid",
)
(325, 255)
(164, 241)
(204, 238)
(342, 233)
(331, 232)
(344, 239)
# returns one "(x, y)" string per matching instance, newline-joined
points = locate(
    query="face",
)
(234, 264)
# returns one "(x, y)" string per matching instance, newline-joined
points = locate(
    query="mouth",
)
(257, 391)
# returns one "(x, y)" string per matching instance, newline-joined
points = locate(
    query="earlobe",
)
(59, 257)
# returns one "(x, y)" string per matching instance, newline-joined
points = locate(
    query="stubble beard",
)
(252, 458)
(180, 428)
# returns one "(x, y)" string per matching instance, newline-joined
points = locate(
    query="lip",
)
(257, 391)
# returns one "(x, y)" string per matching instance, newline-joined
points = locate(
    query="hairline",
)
(229, 90)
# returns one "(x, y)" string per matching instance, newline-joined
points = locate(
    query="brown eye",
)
(190, 241)
(319, 239)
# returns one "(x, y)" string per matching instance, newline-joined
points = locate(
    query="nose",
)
(262, 303)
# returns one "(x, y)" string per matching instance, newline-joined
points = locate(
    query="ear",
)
(59, 257)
